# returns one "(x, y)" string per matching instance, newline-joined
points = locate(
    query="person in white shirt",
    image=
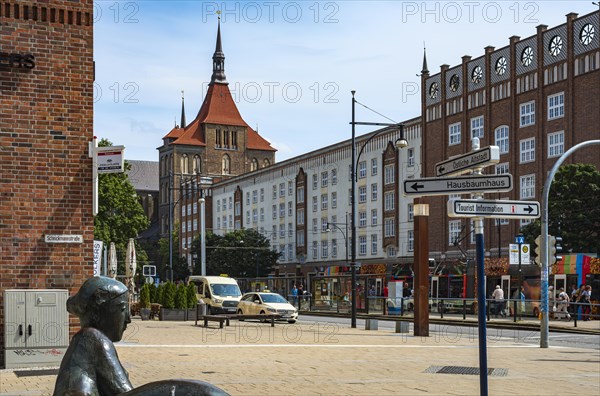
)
(498, 296)
(563, 304)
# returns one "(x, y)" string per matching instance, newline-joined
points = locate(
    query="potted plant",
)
(145, 302)
(174, 302)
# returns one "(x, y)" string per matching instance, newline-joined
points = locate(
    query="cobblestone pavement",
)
(310, 358)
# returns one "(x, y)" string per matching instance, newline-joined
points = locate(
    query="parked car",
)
(267, 303)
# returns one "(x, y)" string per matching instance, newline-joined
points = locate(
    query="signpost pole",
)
(518, 294)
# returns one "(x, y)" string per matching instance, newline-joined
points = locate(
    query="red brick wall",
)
(45, 126)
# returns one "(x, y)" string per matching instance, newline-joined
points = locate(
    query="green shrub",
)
(191, 296)
(158, 297)
(168, 296)
(145, 296)
(152, 288)
(181, 297)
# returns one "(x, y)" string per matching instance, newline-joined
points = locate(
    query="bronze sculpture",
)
(91, 365)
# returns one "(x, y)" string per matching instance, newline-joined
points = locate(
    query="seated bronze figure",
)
(91, 365)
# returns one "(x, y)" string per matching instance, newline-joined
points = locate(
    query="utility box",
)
(36, 327)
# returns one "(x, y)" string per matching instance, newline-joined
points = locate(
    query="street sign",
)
(519, 239)
(525, 256)
(495, 209)
(513, 249)
(460, 164)
(462, 184)
(149, 280)
(149, 270)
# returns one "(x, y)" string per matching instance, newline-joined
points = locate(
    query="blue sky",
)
(290, 64)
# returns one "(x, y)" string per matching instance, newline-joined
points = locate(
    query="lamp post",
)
(400, 143)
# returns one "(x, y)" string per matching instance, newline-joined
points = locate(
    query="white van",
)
(221, 294)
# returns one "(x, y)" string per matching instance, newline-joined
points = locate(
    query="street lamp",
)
(400, 143)
(345, 234)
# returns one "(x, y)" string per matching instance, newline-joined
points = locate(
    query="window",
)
(389, 174)
(453, 231)
(254, 164)
(218, 205)
(300, 195)
(324, 179)
(274, 211)
(254, 216)
(391, 251)
(314, 221)
(290, 188)
(477, 127)
(290, 230)
(334, 176)
(300, 216)
(282, 189)
(411, 241)
(373, 166)
(290, 252)
(527, 114)
(501, 169)
(528, 186)
(248, 198)
(315, 249)
(334, 200)
(556, 144)
(315, 181)
(300, 239)
(324, 202)
(254, 196)
(527, 150)
(501, 136)
(362, 169)
(282, 231)
(454, 134)
(274, 192)
(315, 204)
(556, 106)
(362, 219)
(290, 209)
(374, 192)
(282, 209)
(373, 217)
(324, 249)
(230, 202)
(411, 157)
(262, 195)
(411, 212)
(262, 214)
(184, 164)
(247, 217)
(238, 208)
(389, 228)
(389, 200)
(362, 245)
(373, 244)
(334, 248)
(324, 223)
(362, 194)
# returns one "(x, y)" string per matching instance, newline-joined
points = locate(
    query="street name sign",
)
(493, 209)
(60, 238)
(454, 185)
(480, 158)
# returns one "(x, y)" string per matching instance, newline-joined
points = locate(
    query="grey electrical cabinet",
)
(36, 327)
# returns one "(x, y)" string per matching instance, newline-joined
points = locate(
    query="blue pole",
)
(483, 371)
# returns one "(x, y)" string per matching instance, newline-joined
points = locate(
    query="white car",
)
(267, 303)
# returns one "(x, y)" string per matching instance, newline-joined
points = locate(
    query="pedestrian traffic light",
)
(538, 250)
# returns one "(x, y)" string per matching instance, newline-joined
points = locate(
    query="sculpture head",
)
(102, 303)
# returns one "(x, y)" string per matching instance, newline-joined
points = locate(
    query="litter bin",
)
(200, 309)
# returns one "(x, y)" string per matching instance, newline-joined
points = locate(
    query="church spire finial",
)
(182, 111)
(425, 69)
(218, 58)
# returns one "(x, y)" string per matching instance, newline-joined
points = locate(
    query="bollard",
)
(371, 324)
(401, 327)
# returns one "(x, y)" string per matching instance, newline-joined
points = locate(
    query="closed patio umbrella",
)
(112, 261)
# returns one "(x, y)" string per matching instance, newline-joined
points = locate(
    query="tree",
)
(241, 253)
(180, 268)
(573, 209)
(120, 214)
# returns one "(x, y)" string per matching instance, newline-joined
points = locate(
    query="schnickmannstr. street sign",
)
(480, 158)
(494, 209)
(461, 184)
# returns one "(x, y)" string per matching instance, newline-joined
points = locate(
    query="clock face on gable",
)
(434, 90)
(501, 66)
(555, 46)
(454, 82)
(477, 74)
(527, 56)
(587, 33)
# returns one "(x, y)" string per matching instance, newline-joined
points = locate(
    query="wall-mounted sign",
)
(111, 159)
(49, 238)
(22, 61)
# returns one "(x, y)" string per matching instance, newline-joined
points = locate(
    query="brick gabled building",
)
(216, 145)
(534, 98)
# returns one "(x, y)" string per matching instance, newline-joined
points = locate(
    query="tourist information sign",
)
(460, 164)
(495, 209)
(455, 185)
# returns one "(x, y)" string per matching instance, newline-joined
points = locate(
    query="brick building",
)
(216, 145)
(534, 98)
(46, 111)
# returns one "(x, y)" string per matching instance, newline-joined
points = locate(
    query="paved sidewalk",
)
(310, 358)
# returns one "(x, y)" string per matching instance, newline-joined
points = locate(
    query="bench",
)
(226, 318)
(270, 317)
(214, 318)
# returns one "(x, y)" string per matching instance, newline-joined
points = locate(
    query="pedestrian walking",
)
(563, 305)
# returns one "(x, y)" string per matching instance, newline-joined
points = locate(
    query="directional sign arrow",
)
(463, 184)
(460, 164)
(495, 209)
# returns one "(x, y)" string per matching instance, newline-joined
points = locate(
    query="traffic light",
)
(557, 249)
(538, 250)
(551, 249)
